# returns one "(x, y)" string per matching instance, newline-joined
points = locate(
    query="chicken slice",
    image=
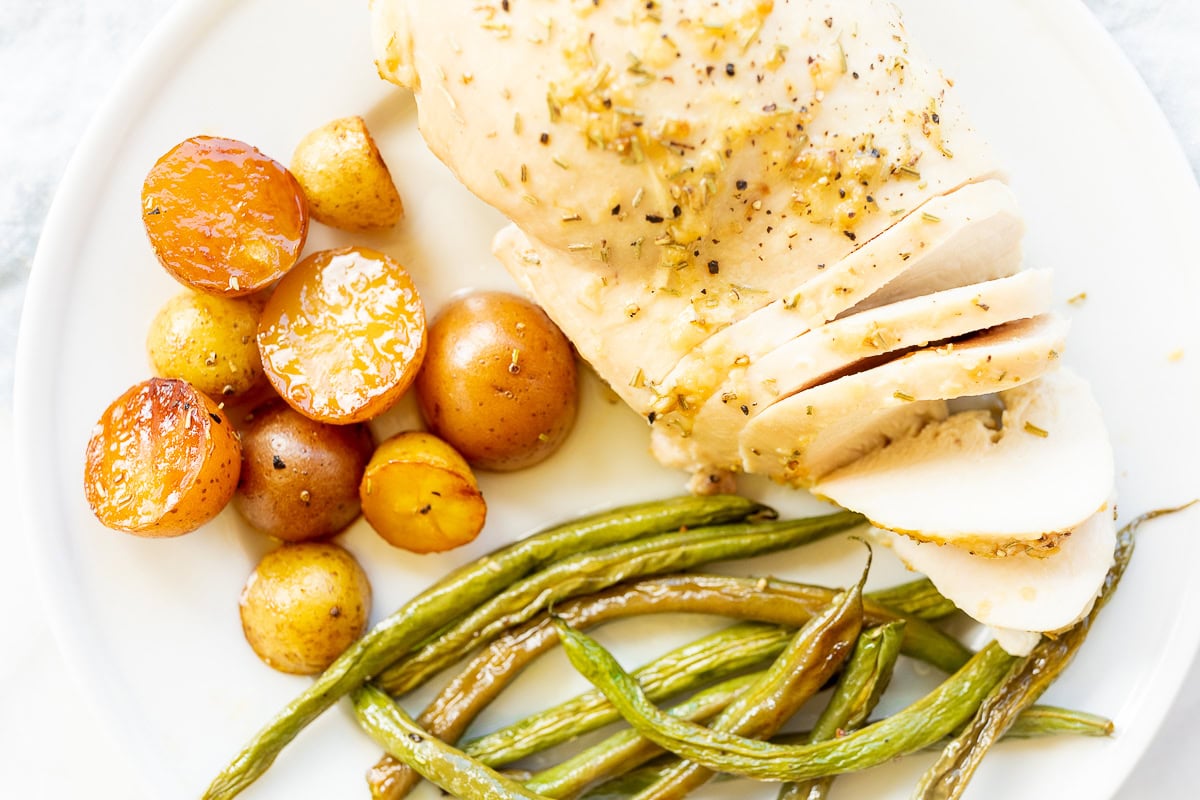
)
(804, 437)
(674, 167)
(993, 488)
(847, 344)
(968, 236)
(1019, 594)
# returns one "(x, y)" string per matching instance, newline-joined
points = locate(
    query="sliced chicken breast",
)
(710, 440)
(802, 438)
(674, 167)
(991, 487)
(968, 236)
(1021, 593)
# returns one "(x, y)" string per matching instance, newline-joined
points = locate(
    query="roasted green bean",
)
(598, 569)
(919, 598)
(1029, 678)
(759, 599)
(858, 690)
(1038, 721)
(713, 657)
(922, 723)
(445, 601)
(1035, 722)
(435, 760)
(813, 656)
(627, 748)
(685, 670)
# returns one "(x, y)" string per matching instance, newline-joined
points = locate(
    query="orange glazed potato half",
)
(343, 335)
(222, 217)
(162, 461)
(420, 495)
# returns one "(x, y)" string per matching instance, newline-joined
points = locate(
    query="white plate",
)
(151, 626)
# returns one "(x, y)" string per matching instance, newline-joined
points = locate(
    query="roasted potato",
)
(208, 341)
(162, 460)
(420, 495)
(499, 381)
(303, 605)
(344, 177)
(300, 477)
(222, 217)
(343, 335)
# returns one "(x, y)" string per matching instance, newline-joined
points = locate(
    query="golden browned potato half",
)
(343, 335)
(300, 477)
(499, 381)
(420, 495)
(208, 341)
(344, 177)
(162, 461)
(303, 605)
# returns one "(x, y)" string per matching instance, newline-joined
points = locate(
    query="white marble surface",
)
(58, 59)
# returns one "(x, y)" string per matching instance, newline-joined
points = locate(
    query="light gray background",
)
(58, 60)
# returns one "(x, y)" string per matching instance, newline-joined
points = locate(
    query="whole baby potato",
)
(499, 381)
(208, 341)
(303, 605)
(344, 177)
(300, 477)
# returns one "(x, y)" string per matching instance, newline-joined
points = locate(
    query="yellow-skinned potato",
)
(419, 494)
(208, 341)
(344, 178)
(162, 461)
(303, 605)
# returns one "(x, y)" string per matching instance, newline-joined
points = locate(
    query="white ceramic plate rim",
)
(40, 515)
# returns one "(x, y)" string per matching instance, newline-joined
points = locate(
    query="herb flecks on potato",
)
(499, 381)
(300, 477)
(208, 341)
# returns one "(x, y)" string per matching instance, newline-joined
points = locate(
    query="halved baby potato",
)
(222, 217)
(162, 461)
(419, 494)
(343, 335)
(344, 177)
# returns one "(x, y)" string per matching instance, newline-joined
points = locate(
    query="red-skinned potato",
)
(162, 461)
(300, 477)
(499, 381)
